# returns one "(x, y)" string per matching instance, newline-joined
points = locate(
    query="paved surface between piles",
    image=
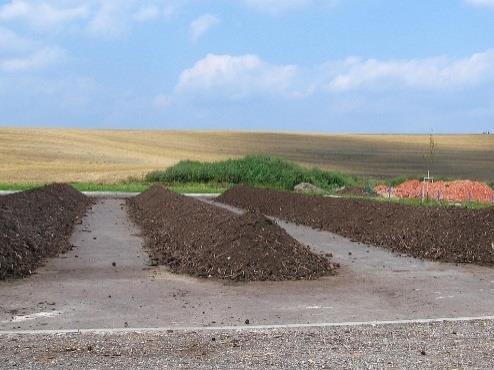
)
(82, 289)
(105, 282)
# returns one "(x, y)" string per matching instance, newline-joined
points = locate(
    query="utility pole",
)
(430, 159)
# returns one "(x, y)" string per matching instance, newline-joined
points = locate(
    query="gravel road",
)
(434, 345)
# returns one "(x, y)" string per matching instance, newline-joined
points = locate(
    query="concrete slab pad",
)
(84, 290)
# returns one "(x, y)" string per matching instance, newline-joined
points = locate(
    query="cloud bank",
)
(248, 75)
(236, 77)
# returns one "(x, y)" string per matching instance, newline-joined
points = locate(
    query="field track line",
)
(243, 327)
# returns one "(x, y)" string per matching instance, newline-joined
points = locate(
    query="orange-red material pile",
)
(451, 191)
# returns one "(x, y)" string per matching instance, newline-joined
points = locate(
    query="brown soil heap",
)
(203, 240)
(36, 224)
(446, 234)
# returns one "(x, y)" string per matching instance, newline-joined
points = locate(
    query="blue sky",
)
(294, 65)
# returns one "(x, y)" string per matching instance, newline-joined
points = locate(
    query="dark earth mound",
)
(447, 234)
(193, 237)
(36, 224)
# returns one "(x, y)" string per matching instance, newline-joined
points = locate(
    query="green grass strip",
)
(128, 187)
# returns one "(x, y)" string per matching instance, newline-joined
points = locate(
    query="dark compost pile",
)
(36, 224)
(458, 235)
(200, 239)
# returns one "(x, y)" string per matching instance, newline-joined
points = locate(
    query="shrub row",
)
(255, 170)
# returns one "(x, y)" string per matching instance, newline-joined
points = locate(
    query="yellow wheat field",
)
(47, 155)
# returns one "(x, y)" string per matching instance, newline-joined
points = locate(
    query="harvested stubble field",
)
(203, 240)
(47, 155)
(446, 234)
(36, 224)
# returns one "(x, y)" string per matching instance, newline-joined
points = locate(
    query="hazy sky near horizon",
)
(297, 65)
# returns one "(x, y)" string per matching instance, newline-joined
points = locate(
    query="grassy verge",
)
(198, 188)
(255, 170)
(129, 187)
(15, 187)
(425, 203)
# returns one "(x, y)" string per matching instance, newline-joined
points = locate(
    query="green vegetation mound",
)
(255, 170)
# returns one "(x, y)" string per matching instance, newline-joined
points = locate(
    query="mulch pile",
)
(447, 234)
(36, 224)
(451, 191)
(204, 240)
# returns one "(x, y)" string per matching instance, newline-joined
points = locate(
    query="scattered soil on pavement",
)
(36, 224)
(436, 233)
(203, 240)
(451, 191)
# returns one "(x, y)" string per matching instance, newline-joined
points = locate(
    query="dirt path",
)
(83, 290)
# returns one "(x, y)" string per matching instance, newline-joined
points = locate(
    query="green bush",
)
(395, 181)
(369, 185)
(254, 170)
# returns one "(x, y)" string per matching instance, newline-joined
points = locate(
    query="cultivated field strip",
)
(47, 155)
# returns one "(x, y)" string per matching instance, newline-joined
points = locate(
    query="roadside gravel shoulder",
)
(434, 345)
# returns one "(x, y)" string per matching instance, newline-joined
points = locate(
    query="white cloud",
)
(429, 73)
(201, 25)
(107, 18)
(481, 3)
(111, 18)
(41, 13)
(39, 59)
(237, 77)
(22, 54)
